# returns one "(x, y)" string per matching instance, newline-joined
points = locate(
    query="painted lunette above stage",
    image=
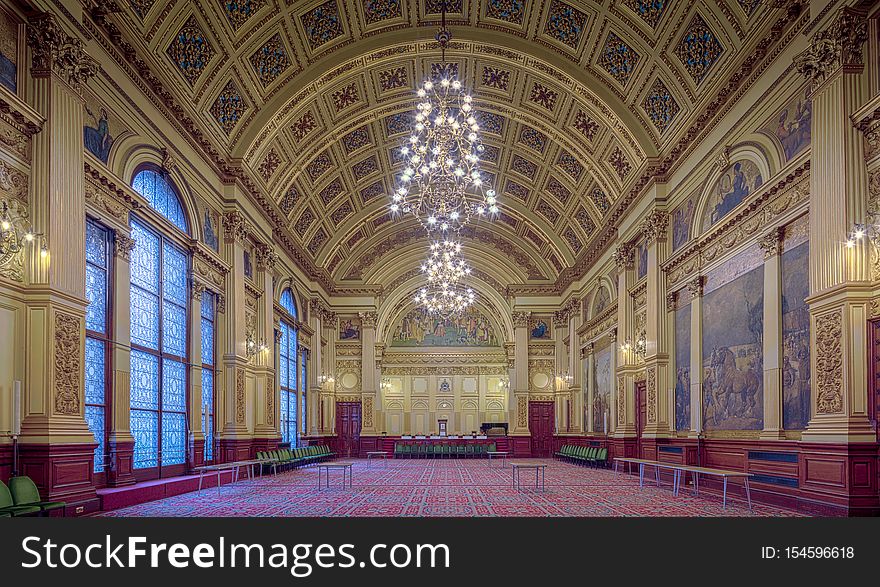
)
(417, 329)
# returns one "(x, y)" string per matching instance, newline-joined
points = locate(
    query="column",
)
(839, 275)
(266, 434)
(233, 434)
(520, 385)
(560, 384)
(54, 394)
(656, 328)
(328, 390)
(121, 442)
(623, 396)
(591, 365)
(671, 350)
(574, 368)
(317, 310)
(771, 244)
(368, 373)
(196, 440)
(695, 290)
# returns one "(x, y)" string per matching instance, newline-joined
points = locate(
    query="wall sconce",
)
(10, 241)
(565, 378)
(385, 386)
(504, 384)
(252, 347)
(639, 347)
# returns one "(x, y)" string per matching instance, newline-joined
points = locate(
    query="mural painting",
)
(793, 125)
(681, 223)
(349, 328)
(248, 265)
(603, 299)
(540, 329)
(641, 260)
(795, 338)
(8, 51)
(683, 368)
(98, 131)
(603, 382)
(739, 181)
(733, 307)
(211, 227)
(416, 328)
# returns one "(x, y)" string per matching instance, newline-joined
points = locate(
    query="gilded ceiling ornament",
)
(228, 107)
(649, 10)
(322, 24)
(270, 60)
(619, 163)
(565, 23)
(660, 105)
(190, 50)
(698, 49)
(238, 12)
(618, 58)
(318, 239)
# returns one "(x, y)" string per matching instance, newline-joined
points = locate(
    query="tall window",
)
(159, 288)
(97, 335)
(303, 389)
(288, 375)
(208, 310)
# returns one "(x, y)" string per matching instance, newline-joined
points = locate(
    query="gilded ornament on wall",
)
(829, 363)
(68, 363)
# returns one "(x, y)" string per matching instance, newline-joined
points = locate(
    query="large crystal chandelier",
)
(441, 184)
(445, 263)
(444, 300)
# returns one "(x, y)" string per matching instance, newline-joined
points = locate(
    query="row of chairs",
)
(438, 450)
(295, 457)
(22, 498)
(584, 455)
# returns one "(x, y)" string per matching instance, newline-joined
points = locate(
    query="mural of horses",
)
(727, 383)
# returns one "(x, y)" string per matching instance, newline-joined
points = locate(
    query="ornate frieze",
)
(13, 183)
(829, 363)
(68, 363)
(54, 51)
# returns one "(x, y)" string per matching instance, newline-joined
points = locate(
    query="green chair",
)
(469, 450)
(447, 449)
(459, 451)
(8, 507)
(438, 450)
(482, 449)
(600, 459)
(25, 493)
(398, 450)
(423, 450)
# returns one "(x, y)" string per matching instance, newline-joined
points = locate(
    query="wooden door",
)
(348, 428)
(541, 424)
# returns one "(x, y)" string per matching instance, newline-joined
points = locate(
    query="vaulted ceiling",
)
(576, 99)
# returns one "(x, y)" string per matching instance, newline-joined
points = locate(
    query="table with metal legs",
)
(497, 453)
(328, 466)
(539, 474)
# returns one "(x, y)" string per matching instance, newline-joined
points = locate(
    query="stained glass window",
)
(159, 293)
(288, 303)
(288, 378)
(97, 290)
(161, 195)
(207, 321)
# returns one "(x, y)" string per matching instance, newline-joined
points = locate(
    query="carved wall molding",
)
(266, 257)
(522, 411)
(367, 410)
(197, 291)
(623, 257)
(13, 183)
(68, 363)
(829, 363)
(270, 401)
(239, 396)
(621, 400)
(651, 393)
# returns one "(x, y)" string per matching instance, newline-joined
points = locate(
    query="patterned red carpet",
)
(445, 488)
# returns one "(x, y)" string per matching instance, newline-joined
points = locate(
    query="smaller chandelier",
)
(11, 242)
(445, 300)
(445, 263)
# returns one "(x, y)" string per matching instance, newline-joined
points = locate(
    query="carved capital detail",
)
(266, 257)
(695, 286)
(122, 246)
(235, 228)
(368, 319)
(53, 50)
(220, 300)
(829, 363)
(623, 257)
(654, 226)
(839, 45)
(671, 301)
(521, 319)
(771, 243)
(197, 291)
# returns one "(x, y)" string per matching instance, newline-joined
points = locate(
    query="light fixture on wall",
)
(252, 347)
(385, 386)
(639, 347)
(13, 237)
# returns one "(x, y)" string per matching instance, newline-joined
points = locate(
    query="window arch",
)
(289, 303)
(159, 334)
(152, 184)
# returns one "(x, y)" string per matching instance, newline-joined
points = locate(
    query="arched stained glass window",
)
(153, 185)
(288, 303)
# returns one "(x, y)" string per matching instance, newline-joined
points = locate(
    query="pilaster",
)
(771, 244)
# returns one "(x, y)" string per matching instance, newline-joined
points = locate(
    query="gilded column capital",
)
(521, 319)
(123, 246)
(839, 45)
(771, 243)
(196, 291)
(695, 286)
(266, 257)
(623, 257)
(560, 318)
(671, 301)
(368, 319)
(221, 302)
(235, 228)
(654, 226)
(54, 51)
